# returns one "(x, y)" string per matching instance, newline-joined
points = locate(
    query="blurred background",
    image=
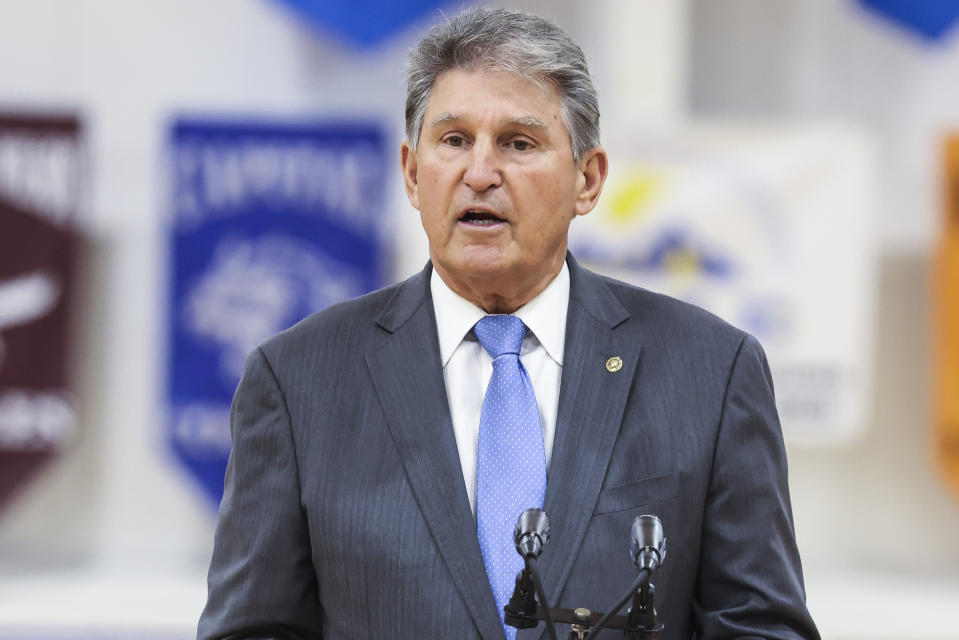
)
(179, 180)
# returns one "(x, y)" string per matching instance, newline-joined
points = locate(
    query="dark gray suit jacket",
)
(345, 513)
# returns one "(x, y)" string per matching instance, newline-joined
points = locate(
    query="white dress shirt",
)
(467, 367)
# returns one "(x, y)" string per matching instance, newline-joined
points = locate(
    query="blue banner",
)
(931, 19)
(365, 22)
(270, 223)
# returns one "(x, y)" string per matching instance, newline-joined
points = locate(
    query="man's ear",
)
(408, 163)
(593, 168)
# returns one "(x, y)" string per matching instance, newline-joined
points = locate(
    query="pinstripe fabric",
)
(345, 513)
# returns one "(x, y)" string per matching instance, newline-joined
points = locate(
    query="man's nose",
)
(483, 169)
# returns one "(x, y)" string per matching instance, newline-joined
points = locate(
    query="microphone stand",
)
(522, 612)
(647, 549)
(642, 613)
(641, 623)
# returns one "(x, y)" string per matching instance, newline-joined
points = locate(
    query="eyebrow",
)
(443, 118)
(527, 121)
(523, 121)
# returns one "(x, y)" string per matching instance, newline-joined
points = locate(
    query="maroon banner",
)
(40, 183)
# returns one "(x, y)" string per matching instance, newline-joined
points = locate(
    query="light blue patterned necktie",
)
(510, 456)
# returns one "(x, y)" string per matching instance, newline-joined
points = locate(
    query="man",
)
(384, 447)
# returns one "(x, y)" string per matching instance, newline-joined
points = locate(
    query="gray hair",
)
(511, 41)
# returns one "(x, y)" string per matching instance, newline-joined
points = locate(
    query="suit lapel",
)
(591, 404)
(408, 378)
(407, 375)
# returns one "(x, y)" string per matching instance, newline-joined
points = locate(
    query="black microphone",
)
(532, 533)
(647, 549)
(530, 536)
(647, 544)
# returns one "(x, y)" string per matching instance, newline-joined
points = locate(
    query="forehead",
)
(497, 95)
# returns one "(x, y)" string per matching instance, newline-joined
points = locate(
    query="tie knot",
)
(500, 334)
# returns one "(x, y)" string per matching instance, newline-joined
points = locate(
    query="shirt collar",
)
(544, 315)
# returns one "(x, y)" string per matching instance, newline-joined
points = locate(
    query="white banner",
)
(773, 230)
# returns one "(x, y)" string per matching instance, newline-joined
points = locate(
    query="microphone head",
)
(531, 533)
(647, 544)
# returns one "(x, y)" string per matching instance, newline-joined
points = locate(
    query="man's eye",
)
(454, 141)
(521, 145)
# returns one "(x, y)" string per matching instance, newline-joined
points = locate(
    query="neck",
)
(504, 294)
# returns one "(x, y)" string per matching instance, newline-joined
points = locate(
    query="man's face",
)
(496, 185)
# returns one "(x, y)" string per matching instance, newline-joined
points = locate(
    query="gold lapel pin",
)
(614, 364)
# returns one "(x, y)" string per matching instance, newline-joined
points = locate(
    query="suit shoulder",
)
(345, 323)
(668, 316)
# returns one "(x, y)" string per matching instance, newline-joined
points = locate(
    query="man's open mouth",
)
(480, 218)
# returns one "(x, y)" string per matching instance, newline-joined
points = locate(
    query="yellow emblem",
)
(614, 364)
(633, 195)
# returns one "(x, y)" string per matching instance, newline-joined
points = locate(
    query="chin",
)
(483, 262)
(486, 270)
(501, 267)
